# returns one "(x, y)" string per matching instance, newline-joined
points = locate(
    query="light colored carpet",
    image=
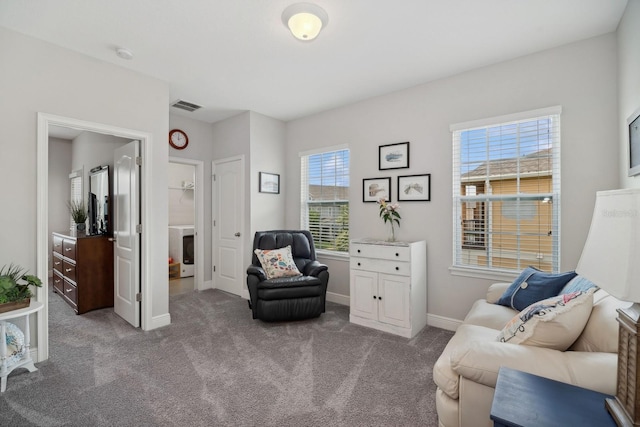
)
(215, 366)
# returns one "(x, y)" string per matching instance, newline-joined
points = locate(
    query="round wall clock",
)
(178, 139)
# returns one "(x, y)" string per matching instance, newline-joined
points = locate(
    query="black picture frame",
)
(414, 188)
(634, 143)
(393, 156)
(373, 189)
(269, 183)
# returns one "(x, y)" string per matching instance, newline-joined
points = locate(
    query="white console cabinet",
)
(388, 285)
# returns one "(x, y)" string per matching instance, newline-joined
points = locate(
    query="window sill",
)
(337, 256)
(482, 273)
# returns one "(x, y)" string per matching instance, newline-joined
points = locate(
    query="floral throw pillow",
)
(552, 323)
(277, 262)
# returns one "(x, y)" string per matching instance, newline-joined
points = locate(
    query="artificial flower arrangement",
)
(389, 213)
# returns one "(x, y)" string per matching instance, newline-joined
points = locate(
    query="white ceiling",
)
(236, 55)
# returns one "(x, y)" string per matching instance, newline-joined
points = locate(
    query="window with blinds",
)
(506, 192)
(325, 198)
(75, 181)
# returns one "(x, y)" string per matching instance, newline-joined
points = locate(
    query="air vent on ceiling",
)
(184, 105)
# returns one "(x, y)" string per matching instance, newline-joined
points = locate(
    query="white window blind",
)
(75, 180)
(506, 193)
(325, 198)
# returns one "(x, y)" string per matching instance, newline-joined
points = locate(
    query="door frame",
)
(42, 205)
(199, 216)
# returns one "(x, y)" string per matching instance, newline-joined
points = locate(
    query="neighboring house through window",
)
(506, 189)
(325, 197)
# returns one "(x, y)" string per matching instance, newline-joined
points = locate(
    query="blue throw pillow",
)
(533, 285)
(578, 283)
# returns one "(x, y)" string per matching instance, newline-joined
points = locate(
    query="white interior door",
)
(126, 211)
(228, 219)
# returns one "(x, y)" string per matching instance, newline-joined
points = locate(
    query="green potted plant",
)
(15, 289)
(78, 214)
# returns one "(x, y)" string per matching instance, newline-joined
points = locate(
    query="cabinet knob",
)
(397, 268)
(358, 263)
(374, 297)
(380, 298)
(358, 250)
(397, 254)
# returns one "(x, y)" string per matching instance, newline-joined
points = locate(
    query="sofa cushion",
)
(443, 374)
(489, 315)
(277, 262)
(601, 331)
(533, 285)
(552, 323)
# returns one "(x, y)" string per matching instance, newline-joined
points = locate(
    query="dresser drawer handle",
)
(67, 249)
(66, 270)
(57, 281)
(57, 263)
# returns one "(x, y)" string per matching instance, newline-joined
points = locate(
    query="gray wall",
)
(580, 77)
(628, 83)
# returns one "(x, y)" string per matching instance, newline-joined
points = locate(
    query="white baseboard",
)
(159, 322)
(443, 322)
(338, 298)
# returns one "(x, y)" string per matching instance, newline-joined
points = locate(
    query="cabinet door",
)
(364, 286)
(394, 302)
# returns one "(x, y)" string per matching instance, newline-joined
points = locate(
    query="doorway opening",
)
(45, 121)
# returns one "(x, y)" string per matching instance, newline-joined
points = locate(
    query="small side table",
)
(524, 400)
(25, 362)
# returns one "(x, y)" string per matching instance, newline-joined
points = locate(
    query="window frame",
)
(459, 267)
(304, 199)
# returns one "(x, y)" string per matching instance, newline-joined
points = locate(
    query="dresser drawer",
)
(57, 244)
(388, 252)
(57, 262)
(69, 248)
(71, 292)
(69, 270)
(58, 281)
(381, 266)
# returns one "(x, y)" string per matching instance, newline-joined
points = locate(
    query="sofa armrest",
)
(254, 270)
(314, 268)
(481, 361)
(495, 291)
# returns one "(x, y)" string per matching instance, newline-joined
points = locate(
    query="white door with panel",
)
(228, 220)
(388, 285)
(126, 211)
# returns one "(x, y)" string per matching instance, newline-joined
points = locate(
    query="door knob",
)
(237, 234)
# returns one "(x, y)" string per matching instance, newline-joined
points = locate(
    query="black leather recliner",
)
(287, 298)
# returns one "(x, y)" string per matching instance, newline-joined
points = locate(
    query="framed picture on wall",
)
(393, 156)
(634, 143)
(414, 188)
(269, 183)
(374, 189)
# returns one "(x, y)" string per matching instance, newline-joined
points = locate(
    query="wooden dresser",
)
(83, 271)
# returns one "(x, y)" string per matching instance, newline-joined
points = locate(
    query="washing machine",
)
(182, 248)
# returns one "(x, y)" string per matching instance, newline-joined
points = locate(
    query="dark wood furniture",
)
(83, 271)
(523, 399)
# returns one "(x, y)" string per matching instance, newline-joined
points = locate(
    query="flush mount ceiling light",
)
(124, 53)
(305, 20)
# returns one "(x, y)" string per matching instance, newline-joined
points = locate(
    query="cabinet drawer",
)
(58, 281)
(71, 292)
(69, 248)
(57, 244)
(69, 270)
(381, 266)
(57, 263)
(399, 253)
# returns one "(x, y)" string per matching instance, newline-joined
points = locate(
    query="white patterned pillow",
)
(552, 323)
(277, 262)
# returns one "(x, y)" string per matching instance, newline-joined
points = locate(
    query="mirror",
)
(99, 200)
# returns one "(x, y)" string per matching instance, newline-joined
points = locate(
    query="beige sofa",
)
(467, 370)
